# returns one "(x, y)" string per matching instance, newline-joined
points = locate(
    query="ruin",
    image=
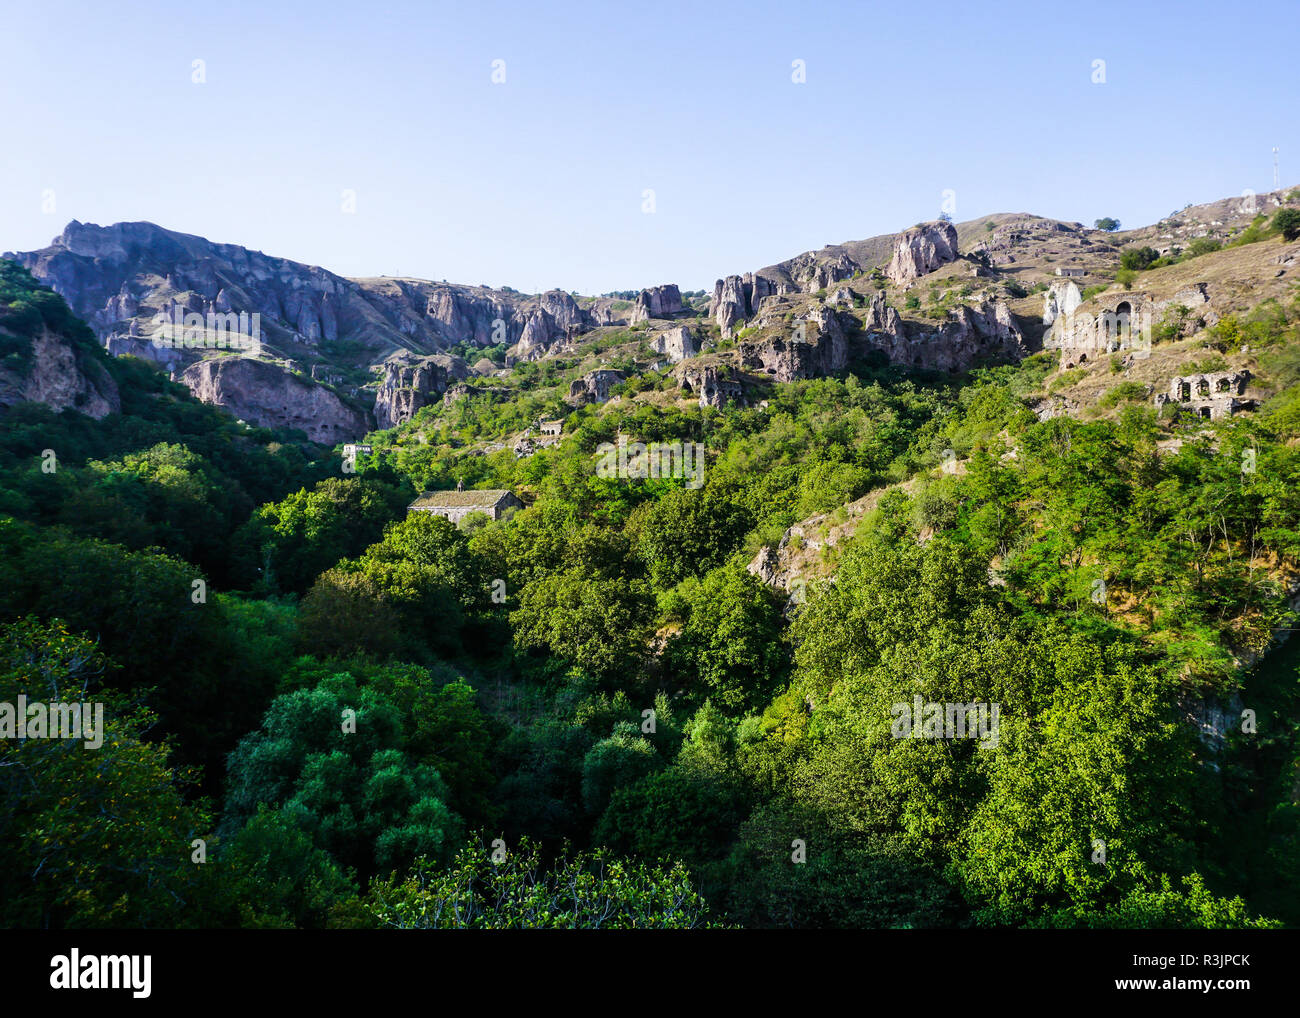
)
(1212, 395)
(1124, 322)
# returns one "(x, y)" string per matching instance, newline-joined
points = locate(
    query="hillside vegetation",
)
(363, 714)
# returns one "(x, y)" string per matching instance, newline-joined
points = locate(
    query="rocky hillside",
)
(131, 280)
(46, 355)
(937, 296)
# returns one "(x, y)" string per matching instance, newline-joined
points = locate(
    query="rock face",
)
(129, 272)
(817, 346)
(678, 344)
(594, 387)
(737, 298)
(461, 317)
(555, 320)
(730, 303)
(265, 395)
(709, 382)
(826, 273)
(409, 383)
(987, 331)
(882, 320)
(118, 278)
(921, 250)
(1061, 299)
(765, 565)
(62, 377)
(657, 302)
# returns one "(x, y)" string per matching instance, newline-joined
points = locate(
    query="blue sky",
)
(539, 181)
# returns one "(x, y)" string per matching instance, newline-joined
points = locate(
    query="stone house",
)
(456, 505)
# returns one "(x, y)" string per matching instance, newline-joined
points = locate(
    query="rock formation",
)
(1061, 299)
(657, 302)
(730, 303)
(409, 383)
(816, 346)
(883, 320)
(594, 387)
(710, 383)
(60, 375)
(971, 335)
(267, 396)
(737, 298)
(921, 250)
(118, 278)
(678, 344)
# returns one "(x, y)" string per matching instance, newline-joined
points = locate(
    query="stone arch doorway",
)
(1123, 318)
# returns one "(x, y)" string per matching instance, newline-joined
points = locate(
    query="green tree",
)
(287, 544)
(600, 625)
(1287, 223)
(1137, 258)
(729, 645)
(90, 836)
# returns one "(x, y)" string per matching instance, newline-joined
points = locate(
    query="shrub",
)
(1125, 392)
(1287, 223)
(1201, 246)
(1138, 258)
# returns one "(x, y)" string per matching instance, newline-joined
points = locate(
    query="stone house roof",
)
(487, 498)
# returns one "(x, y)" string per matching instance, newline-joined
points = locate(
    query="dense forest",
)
(321, 710)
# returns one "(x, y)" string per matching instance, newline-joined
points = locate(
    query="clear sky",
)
(539, 181)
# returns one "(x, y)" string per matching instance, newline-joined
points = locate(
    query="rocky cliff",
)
(712, 383)
(409, 383)
(972, 335)
(594, 386)
(738, 298)
(122, 278)
(815, 346)
(55, 372)
(265, 395)
(46, 354)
